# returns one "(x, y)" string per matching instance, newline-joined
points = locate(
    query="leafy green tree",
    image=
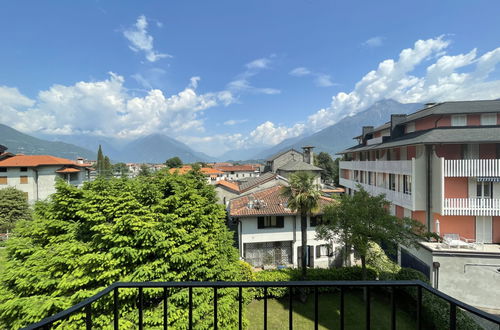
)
(100, 161)
(174, 162)
(107, 167)
(303, 197)
(330, 167)
(356, 221)
(13, 208)
(162, 228)
(144, 170)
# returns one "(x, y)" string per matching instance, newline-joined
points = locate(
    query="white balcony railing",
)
(395, 197)
(381, 166)
(471, 167)
(471, 206)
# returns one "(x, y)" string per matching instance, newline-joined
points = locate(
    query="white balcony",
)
(381, 166)
(395, 197)
(471, 167)
(471, 206)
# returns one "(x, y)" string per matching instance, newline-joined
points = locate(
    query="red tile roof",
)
(37, 160)
(274, 203)
(68, 170)
(237, 168)
(187, 168)
(231, 185)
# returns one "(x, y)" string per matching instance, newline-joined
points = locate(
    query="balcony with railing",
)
(381, 166)
(472, 167)
(395, 197)
(416, 296)
(472, 206)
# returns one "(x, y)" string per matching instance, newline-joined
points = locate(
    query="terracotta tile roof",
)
(238, 168)
(275, 203)
(209, 170)
(68, 170)
(231, 185)
(37, 160)
(187, 168)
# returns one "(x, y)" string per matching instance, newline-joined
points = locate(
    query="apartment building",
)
(36, 175)
(440, 166)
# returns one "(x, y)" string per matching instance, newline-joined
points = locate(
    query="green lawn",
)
(329, 313)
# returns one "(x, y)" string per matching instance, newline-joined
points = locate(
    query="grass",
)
(329, 312)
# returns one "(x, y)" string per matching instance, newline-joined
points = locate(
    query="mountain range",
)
(156, 148)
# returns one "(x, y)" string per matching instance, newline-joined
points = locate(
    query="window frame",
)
(492, 118)
(23, 179)
(266, 221)
(458, 120)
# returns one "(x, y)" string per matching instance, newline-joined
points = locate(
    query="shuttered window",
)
(270, 222)
(23, 179)
(3, 180)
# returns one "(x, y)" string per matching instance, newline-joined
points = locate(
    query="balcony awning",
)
(488, 179)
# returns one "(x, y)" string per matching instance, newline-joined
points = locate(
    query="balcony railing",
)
(472, 206)
(381, 166)
(395, 197)
(86, 305)
(471, 167)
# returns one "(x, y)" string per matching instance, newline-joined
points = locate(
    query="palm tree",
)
(303, 197)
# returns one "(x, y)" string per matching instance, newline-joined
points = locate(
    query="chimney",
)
(395, 121)
(79, 160)
(308, 154)
(366, 130)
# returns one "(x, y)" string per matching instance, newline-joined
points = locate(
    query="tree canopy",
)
(359, 219)
(174, 162)
(13, 208)
(330, 167)
(159, 228)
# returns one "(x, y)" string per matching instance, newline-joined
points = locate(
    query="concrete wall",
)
(419, 175)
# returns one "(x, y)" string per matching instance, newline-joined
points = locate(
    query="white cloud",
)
(270, 134)
(260, 63)
(242, 81)
(323, 80)
(233, 122)
(374, 42)
(107, 108)
(141, 41)
(300, 72)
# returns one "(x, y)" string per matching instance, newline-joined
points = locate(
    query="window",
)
(23, 179)
(407, 184)
(316, 220)
(356, 175)
(484, 190)
(459, 120)
(410, 127)
(3, 180)
(370, 178)
(3, 169)
(489, 119)
(24, 169)
(271, 222)
(361, 176)
(324, 250)
(392, 182)
(73, 176)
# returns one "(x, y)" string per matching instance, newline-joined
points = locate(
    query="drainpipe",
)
(36, 182)
(428, 152)
(435, 266)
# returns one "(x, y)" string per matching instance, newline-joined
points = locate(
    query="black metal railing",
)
(86, 305)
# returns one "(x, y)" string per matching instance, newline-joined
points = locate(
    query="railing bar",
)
(342, 292)
(453, 316)
(290, 308)
(419, 308)
(265, 308)
(367, 306)
(88, 317)
(240, 306)
(165, 308)
(141, 303)
(190, 293)
(116, 314)
(393, 308)
(316, 318)
(215, 308)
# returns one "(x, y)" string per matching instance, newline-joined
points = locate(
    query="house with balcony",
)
(269, 232)
(440, 166)
(36, 175)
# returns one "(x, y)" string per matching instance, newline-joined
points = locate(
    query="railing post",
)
(165, 308)
(88, 316)
(393, 308)
(367, 308)
(115, 309)
(240, 306)
(342, 308)
(141, 303)
(419, 307)
(190, 294)
(453, 316)
(265, 308)
(215, 308)
(316, 308)
(290, 308)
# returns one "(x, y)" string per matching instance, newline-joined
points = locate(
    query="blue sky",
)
(219, 75)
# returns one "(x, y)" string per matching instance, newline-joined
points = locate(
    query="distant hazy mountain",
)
(283, 145)
(339, 136)
(20, 143)
(240, 154)
(157, 148)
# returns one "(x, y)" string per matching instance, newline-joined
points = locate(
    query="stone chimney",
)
(79, 160)
(308, 154)
(395, 121)
(366, 130)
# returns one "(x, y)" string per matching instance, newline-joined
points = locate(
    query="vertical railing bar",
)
(165, 308)
(342, 292)
(240, 306)
(419, 307)
(393, 308)
(190, 293)
(367, 312)
(115, 309)
(316, 317)
(453, 316)
(290, 308)
(215, 308)
(141, 303)
(88, 316)
(265, 308)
